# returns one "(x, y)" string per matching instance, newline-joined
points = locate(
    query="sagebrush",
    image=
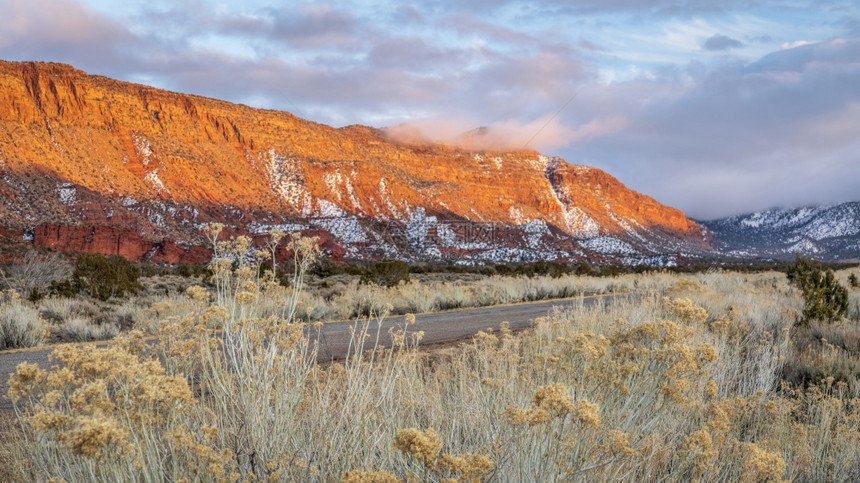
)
(682, 381)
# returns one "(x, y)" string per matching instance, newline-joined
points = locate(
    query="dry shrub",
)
(360, 476)
(79, 329)
(33, 276)
(20, 323)
(685, 287)
(854, 306)
(58, 310)
(344, 298)
(14, 454)
(633, 390)
(822, 352)
(110, 414)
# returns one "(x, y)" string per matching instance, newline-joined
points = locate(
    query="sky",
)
(715, 107)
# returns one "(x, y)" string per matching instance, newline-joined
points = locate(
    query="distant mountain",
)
(829, 233)
(89, 163)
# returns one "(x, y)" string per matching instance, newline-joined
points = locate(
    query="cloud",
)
(468, 25)
(544, 133)
(662, 7)
(307, 27)
(778, 131)
(313, 26)
(415, 54)
(665, 8)
(761, 39)
(60, 30)
(631, 86)
(720, 42)
(796, 43)
(524, 87)
(408, 14)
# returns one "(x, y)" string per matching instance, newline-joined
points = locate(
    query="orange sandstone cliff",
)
(92, 164)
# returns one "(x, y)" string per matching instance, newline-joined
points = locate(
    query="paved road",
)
(334, 339)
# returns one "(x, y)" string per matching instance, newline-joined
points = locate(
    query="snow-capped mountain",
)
(88, 163)
(826, 232)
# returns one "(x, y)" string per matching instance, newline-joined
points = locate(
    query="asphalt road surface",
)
(334, 337)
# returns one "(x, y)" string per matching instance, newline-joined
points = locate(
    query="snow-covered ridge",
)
(779, 217)
(828, 232)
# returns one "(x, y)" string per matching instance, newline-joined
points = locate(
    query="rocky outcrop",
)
(120, 165)
(114, 240)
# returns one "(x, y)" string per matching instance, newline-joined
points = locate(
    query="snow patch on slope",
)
(143, 148)
(516, 215)
(346, 229)
(68, 194)
(332, 181)
(828, 232)
(257, 228)
(804, 246)
(383, 194)
(350, 191)
(418, 227)
(832, 226)
(154, 181)
(327, 215)
(754, 221)
(779, 218)
(579, 224)
(285, 178)
(534, 231)
(606, 244)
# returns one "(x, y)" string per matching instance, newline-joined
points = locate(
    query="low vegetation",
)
(824, 298)
(387, 273)
(103, 277)
(36, 274)
(105, 296)
(691, 380)
(20, 324)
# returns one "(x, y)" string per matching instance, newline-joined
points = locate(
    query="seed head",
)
(423, 446)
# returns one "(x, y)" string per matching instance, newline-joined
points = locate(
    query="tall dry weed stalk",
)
(679, 383)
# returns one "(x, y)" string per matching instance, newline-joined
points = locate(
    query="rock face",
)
(115, 240)
(93, 164)
(830, 233)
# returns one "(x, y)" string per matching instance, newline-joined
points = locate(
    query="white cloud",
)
(796, 43)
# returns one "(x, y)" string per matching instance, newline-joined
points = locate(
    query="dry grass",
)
(342, 297)
(825, 352)
(14, 461)
(683, 384)
(345, 298)
(20, 324)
